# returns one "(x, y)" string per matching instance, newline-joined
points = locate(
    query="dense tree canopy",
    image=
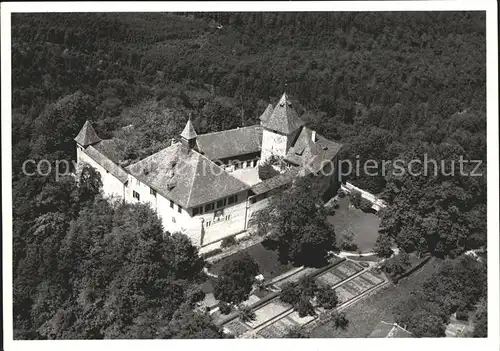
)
(236, 280)
(386, 85)
(459, 284)
(106, 271)
(296, 225)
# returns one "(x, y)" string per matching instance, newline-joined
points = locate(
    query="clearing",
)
(363, 225)
(268, 261)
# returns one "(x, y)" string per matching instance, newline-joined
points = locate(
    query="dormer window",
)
(299, 151)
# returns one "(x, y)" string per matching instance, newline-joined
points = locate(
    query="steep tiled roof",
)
(267, 113)
(185, 176)
(189, 132)
(284, 118)
(305, 151)
(106, 163)
(230, 143)
(112, 149)
(87, 135)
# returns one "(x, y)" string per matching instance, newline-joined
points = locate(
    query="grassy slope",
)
(363, 225)
(269, 265)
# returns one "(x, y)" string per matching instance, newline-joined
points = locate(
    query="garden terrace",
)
(365, 315)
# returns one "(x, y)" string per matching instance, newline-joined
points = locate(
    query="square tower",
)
(281, 127)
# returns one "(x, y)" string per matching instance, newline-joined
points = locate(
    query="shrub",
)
(340, 320)
(462, 315)
(227, 242)
(290, 294)
(225, 308)
(246, 314)
(298, 294)
(397, 265)
(365, 205)
(355, 198)
(297, 333)
(383, 246)
(305, 308)
(346, 241)
(267, 171)
(211, 253)
(327, 298)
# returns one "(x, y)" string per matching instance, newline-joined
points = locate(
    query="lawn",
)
(364, 315)
(269, 264)
(363, 225)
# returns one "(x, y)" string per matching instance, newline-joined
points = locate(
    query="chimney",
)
(313, 136)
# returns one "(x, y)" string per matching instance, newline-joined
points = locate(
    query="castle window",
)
(228, 217)
(197, 210)
(179, 209)
(173, 219)
(221, 203)
(138, 182)
(136, 195)
(209, 207)
(171, 204)
(152, 192)
(208, 223)
(232, 199)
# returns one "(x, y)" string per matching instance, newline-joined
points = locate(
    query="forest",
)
(385, 85)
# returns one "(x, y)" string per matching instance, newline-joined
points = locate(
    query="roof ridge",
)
(209, 160)
(157, 152)
(192, 179)
(206, 159)
(229, 130)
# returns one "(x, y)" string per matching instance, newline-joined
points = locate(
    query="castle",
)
(207, 186)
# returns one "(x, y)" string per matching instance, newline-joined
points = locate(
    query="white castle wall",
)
(111, 186)
(202, 229)
(273, 144)
(377, 204)
(232, 221)
(172, 220)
